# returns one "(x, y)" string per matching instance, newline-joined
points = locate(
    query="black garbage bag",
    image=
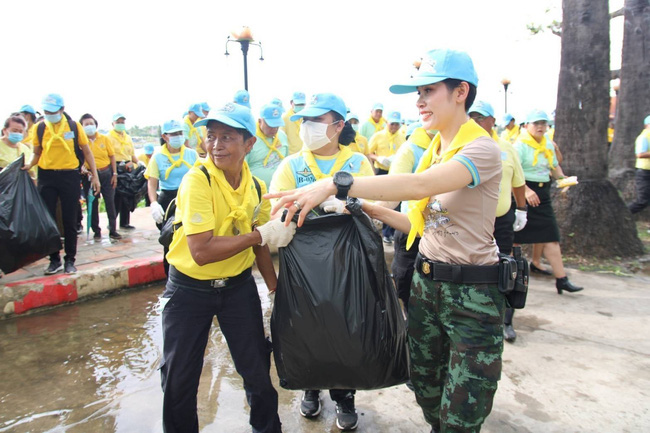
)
(27, 230)
(336, 321)
(132, 185)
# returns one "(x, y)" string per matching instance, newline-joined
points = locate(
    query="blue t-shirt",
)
(162, 162)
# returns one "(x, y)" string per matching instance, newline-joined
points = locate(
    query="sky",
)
(151, 60)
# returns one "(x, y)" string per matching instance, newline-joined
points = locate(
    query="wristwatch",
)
(343, 181)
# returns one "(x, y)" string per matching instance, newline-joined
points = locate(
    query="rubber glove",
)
(384, 160)
(275, 233)
(157, 212)
(521, 217)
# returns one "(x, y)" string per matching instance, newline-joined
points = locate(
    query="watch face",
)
(343, 178)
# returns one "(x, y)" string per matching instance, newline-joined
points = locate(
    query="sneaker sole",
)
(354, 427)
(56, 271)
(315, 414)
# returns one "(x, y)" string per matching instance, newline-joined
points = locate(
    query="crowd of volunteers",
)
(450, 192)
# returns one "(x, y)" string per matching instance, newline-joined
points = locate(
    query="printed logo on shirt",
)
(304, 177)
(197, 218)
(436, 219)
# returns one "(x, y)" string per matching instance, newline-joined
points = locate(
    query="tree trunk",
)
(633, 102)
(592, 217)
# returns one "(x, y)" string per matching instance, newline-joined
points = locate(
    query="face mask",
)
(15, 137)
(120, 127)
(298, 108)
(176, 141)
(314, 135)
(90, 130)
(355, 127)
(53, 118)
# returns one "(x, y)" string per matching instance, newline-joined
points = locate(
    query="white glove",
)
(157, 212)
(384, 160)
(521, 217)
(333, 205)
(275, 233)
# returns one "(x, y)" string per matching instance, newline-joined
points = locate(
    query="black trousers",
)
(403, 265)
(62, 185)
(187, 319)
(108, 192)
(504, 235)
(642, 183)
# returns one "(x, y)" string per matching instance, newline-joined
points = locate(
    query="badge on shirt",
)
(504, 156)
(68, 135)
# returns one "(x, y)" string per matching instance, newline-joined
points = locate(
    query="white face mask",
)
(355, 127)
(314, 135)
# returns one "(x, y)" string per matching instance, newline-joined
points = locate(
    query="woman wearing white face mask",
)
(166, 169)
(326, 136)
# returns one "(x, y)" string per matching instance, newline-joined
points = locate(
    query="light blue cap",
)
(171, 126)
(52, 102)
(196, 109)
(117, 116)
(272, 115)
(646, 121)
(242, 97)
(394, 117)
(205, 106)
(378, 106)
(536, 115)
(412, 127)
(299, 98)
(507, 118)
(233, 115)
(320, 104)
(352, 116)
(148, 148)
(483, 108)
(438, 65)
(278, 102)
(28, 109)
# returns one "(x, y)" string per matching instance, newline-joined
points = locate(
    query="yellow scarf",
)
(56, 136)
(511, 134)
(119, 137)
(175, 162)
(540, 147)
(273, 147)
(193, 131)
(420, 138)
(344, 154)
(238, 215)
(378, 125)
(467, 133)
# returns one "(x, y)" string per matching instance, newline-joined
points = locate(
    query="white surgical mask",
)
(314, 135)
(176, 141)
(90, 130)
(355, 127)
(53, 118)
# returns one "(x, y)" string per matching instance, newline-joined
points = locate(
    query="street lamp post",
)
(506, 83)
(245, 39)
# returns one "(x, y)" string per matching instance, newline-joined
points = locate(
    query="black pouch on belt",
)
(507, 273)
(517, 298)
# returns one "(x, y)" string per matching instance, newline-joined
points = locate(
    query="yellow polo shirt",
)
(58, 153)
(122, 145)
(512, 175)
(360, 144)
(510, 135)
(201, 207)
(144, 158)
(292, 129)
(102, 150)
(383, 143)
(10, 154)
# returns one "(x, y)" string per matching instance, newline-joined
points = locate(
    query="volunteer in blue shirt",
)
(271, 146)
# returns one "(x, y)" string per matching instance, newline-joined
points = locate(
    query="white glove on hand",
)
(157, 212)
(521, 217)
(275, 233)
(333, 205)
(384, 160)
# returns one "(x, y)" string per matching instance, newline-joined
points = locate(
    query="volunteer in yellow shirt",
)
(511, 131)
(375, 123)
(360, 143)
(193, 134)
(104, 156)
(385, 143)
(126, 160)
(221, 229)
(147, 152)
(292, 129)
(58, 174)
(30, 115)
(326, 136)
(11, 144)
(642, 175)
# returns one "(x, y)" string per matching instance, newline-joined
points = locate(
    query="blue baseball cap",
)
(272, 115)
(242, 98)
(537, 115)
(196, 109)
(646, 121)
(352, 116)
(148, 148)
(117, 116)
(378, 106)
(205, 106)
(171, 126)
(438, 65)
(394, 117)
(412, 127)
(28, 109)
(52, 102)
(507, 118)
(320, 104)
(483, 108)
(298, 98)
(278, 102)
(233, 115)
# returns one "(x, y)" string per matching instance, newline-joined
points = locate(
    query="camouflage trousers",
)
(456, 341)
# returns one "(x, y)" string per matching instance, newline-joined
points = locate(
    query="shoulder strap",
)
(73, 128)
(205, 171)
(40, 130)
(258, 188)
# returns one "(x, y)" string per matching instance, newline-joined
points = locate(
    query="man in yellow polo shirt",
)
(126, 160)
(292, 129)
(222, 227)
(58, 176)
(191, 132)
(512, 130)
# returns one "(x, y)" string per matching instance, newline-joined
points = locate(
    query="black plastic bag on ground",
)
(27, 231)
(336, 321)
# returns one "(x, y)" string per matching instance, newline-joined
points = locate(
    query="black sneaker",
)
(70, 267)
(387, 240)
(97, 236)
(115, 235)
(127, 227)
(509, 333)
(346, 414)
(55, 267)
(310, 405)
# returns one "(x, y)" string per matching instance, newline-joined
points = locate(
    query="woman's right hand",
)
(532, 198)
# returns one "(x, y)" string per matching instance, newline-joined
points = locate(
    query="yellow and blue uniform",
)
(292, 129)
(192, 134)
(169, 168)
(267, 154)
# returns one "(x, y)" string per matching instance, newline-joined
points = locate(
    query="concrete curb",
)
(38, 293)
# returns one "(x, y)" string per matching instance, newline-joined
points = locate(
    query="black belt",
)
(211, 285)
(458, 274)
